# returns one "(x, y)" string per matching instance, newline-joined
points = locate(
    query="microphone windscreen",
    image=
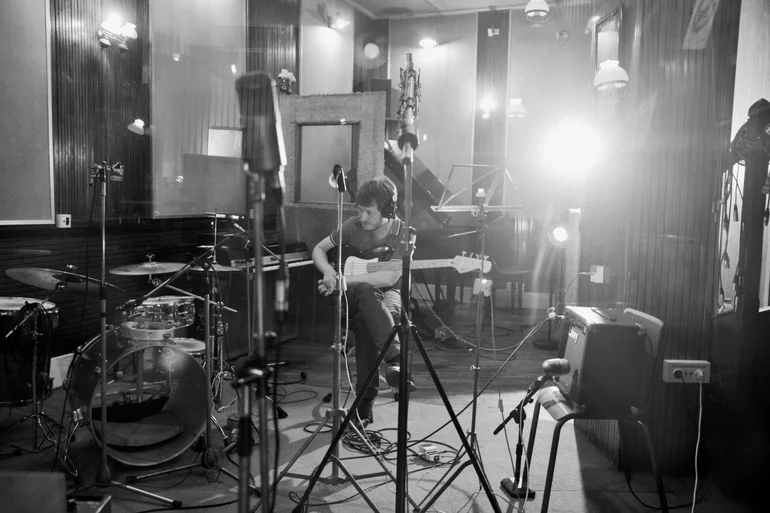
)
(263, 146)
(556, 366)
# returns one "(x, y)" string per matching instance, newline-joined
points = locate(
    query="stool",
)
(517, 278)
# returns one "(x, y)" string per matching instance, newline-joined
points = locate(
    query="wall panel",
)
(663, 203)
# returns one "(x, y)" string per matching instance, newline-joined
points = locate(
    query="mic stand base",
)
(517, 492)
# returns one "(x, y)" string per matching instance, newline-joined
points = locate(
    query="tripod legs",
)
(473, 458)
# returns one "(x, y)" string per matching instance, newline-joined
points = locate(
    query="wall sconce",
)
(515, 108)
(610, 76)
(371, 50)
(139, 128)
(285, 80)
(537, 11)
(114, 30)
(487, 106)
(591, 23)
(332, 16)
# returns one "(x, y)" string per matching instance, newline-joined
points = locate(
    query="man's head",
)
(376, 202)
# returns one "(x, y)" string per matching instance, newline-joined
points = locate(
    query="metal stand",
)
(336, 413)
(37, 415)
(405, 329)
(104, 477)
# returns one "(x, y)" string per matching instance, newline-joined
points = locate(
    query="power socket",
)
(683, 371)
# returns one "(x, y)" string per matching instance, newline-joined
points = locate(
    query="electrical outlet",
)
(683, 371)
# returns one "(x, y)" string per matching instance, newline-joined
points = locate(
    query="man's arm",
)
(381, 279)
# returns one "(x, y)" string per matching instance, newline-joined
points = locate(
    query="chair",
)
(562, 410)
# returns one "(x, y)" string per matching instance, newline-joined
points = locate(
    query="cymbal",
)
(25, 252)
(217, 268)
(146, 268)
(50, 279)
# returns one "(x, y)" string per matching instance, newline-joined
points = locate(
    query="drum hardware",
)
(34, 310)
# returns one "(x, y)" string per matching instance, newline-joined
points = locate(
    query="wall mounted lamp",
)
(537, 11)
(332, 16)
(515, 108)
(610, 76)
(139, 128)
(113, 30)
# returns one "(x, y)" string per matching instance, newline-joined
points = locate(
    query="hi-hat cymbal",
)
(51, 279)
(217, 268)
(146, 268)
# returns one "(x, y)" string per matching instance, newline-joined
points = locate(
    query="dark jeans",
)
(371, 312)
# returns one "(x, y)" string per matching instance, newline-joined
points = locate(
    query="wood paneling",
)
(662, 207)
(97, 92)
(273, 37)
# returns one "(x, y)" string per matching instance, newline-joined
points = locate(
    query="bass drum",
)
(157, 394)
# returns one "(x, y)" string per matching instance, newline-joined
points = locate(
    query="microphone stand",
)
(512, 485)
(104, 477)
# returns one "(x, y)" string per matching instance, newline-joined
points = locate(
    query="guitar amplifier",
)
(606, 351)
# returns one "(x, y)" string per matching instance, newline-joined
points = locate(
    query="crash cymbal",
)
(51, 279)
(218, 268)
(146, 268)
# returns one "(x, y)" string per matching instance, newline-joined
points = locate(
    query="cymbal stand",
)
(37, 415)
(104, 477)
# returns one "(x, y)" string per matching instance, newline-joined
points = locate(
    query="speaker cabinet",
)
(606, 353)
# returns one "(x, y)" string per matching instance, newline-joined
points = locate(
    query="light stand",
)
(104, 478)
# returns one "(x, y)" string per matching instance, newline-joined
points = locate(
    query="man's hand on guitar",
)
(328, 283)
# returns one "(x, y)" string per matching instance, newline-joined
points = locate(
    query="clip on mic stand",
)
(104, 477)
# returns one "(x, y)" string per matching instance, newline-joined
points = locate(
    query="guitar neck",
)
(396, 265)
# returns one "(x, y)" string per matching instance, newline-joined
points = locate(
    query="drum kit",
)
(157, 402)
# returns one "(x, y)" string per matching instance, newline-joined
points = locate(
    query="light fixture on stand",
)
(138, 127)
(610, 77)
(332, 16)
(537, 11)
(113, 30)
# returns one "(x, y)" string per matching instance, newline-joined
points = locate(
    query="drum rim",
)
(53, 306)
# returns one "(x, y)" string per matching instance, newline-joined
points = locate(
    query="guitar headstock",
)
(465, 264)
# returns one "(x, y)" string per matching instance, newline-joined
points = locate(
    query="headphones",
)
(388, 210)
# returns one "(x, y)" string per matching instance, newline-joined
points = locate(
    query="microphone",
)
(518, 412)
(556, 367)
(337, 178)
(263, 146)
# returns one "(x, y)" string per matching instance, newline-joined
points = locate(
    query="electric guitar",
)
(353, 263)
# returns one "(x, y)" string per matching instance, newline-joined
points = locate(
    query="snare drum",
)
(177, 310)
(194, 347)
(17, 351)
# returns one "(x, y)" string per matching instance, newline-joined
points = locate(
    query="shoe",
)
(365, 414)
(393, 376)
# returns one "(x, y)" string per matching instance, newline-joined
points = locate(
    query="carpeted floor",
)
(584, 481)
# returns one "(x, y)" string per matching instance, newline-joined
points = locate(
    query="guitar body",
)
(355, 262)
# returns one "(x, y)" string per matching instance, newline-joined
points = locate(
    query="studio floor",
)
(584, 480)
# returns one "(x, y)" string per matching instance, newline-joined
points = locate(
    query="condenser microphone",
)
(556, 366)
(263, 147)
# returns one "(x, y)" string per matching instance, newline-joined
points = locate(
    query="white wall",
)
(326, 55)
(447, 74)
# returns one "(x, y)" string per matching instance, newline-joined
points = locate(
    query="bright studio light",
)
(560, 234)
(428, 42)
(572, 146)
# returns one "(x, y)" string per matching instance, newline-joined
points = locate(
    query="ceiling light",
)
(537, 11)
(428, 42)
(610, 75)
